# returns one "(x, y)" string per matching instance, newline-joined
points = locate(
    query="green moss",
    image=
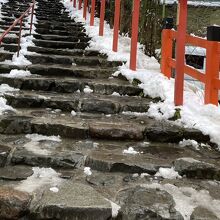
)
(136, 82)
(177, 115)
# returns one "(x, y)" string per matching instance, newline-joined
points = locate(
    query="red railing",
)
(20, 21)
(134, 29)
(211, 76)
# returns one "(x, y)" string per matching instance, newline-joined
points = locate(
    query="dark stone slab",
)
(15, 173)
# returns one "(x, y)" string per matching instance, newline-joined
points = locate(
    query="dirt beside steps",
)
(80, 145)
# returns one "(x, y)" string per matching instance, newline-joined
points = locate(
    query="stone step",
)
(99, 126)
(70, 23)
(80, 102)
(71, 85)
(66, 52)
(92, 197)
(109, 156)
(10, 40)
(16, 28)
(62, 70)
(57, 25)
(60, 44)
(61, 38)
(9, 47)
(68, 32)
(66, 60)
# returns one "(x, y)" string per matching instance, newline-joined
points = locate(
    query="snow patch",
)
(87, 171)
(39, 137)
(40, 178)
(87, 89)
(188, 142)
(17, 74)
(187, 199)
(168, 173)
(130, 150)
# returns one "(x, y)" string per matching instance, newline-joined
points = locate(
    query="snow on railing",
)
(19, 20)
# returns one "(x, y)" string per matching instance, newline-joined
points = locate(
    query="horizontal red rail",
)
(211, 76)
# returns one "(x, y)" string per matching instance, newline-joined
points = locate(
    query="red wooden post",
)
(92, 13)
(102, 18)
(74, 3)
(80, 4)
(85, 8)
(180, 53)
(166, 53)
(212, 72)
(116, 25)
(134, 35)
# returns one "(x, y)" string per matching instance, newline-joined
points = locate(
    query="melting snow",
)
(130, 150)
(187, 199)
(87, 89)
(192, 143)
(39, 137)
(168, 173)
(17, 74)
(87, 171)
(40, 178)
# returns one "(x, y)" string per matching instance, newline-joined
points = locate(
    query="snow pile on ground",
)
(87, 90)
(115, 208)
(4, 107)
(192, 143)
(17, 74)
(194, 114)
(187, 199)
(168, 173)
(130, 150)
(87, 171)
(4, 88)
(39, 137)
(40, 178)
(36, 147)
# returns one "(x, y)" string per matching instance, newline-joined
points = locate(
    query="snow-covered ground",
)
(194, 114)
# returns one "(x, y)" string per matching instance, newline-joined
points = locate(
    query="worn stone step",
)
(16, 28)
(84, 125)
(79, 102)
(62, 70)
(76, 60)
(69, 32)
(10, 40)
(71, 85)
(61, 38)
(60, 44)
(65, 60)
(59, 26)
(66, 24)
(66, 52)
(110, 156)
(9, 47)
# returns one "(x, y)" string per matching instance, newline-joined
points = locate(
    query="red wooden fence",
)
(211, 77)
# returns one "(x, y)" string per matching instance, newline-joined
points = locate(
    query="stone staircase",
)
(66, 77)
